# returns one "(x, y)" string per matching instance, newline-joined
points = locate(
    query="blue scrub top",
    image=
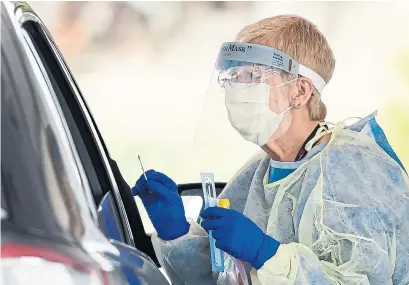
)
(279, 169)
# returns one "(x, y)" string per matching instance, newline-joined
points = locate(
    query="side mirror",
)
(109, 220)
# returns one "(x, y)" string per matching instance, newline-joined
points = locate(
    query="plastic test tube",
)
(209, 194)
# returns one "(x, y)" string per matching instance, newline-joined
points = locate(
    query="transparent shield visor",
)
(237, 117)
(218, 146)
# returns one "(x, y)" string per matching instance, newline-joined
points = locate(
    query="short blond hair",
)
(300, 39)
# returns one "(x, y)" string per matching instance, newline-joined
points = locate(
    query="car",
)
(67, 214)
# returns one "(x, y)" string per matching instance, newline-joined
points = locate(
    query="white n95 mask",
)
(249, 111)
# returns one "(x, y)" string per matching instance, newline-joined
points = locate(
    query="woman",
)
(324, 206)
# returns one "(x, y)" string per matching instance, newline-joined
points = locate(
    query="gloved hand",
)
(163, 203)
(238, 236)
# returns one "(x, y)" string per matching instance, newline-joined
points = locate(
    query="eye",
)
(256, 76)
(234, 75)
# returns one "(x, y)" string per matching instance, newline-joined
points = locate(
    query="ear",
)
(304, 92)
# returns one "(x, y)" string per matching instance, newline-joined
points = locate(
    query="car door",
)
(102, 173)
(48, 225)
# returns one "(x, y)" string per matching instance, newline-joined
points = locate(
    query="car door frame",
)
(101, 154)
(25, 15)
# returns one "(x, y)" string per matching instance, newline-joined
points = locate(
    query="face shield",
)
(246, 105)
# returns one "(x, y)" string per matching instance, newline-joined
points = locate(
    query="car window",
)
(33, 142)
(41, 172)
(80, 121)
(53, 88)
(78, 115)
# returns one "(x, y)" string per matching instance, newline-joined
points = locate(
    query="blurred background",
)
(144, 68)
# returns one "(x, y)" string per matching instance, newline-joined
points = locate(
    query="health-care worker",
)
(322, 205)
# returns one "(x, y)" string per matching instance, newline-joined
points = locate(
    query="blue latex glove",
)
(163, 203)
(238, 236)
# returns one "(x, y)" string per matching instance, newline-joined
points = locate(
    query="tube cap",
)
(224, 203)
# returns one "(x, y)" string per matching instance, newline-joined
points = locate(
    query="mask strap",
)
(274, 86)
(283, 83)
(286, 110)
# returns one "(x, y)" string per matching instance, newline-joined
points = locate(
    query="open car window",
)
(102, 172)
(44, 187)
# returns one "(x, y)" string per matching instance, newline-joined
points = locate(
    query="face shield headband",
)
(233, 54)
